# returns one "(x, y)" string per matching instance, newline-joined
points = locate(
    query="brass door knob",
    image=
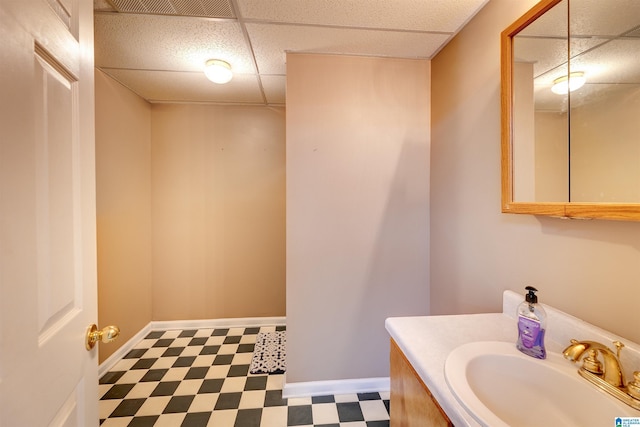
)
(105, 335)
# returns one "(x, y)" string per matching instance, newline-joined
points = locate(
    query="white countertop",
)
(426, 341)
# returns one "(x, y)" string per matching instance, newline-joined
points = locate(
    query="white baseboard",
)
(246, 322)
(322, 388)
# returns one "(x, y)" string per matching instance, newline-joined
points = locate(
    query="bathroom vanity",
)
(420, 346)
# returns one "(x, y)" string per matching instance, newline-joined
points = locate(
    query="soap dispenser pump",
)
(532, 323)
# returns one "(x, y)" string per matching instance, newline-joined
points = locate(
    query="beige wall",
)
(123, 193)
(191, 211)
(218, 203)
(605, 149)
(587, 268)
(357, 210)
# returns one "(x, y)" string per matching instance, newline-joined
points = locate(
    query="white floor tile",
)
(188, 387)
(164, 363)
(296, 401)
(106, 407)
(153, 405)
(346, 398)
(175, 374)
(374, 410)
(206, 360)
(275, 416)
(170, 420)
(325, 413)
(142, 390)
(132, 377)
(117, 422)
(233, 384)
(204, 402)
(218, 371)
(225, 418)
(252, 399)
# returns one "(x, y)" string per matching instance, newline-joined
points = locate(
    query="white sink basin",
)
(499, 386)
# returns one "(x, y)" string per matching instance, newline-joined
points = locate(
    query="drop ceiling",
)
(157, 48)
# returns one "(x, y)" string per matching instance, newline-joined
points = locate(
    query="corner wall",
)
(123, 197)
(587, 268)
(357, 210)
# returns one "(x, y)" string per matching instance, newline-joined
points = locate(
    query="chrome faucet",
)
(608, 374)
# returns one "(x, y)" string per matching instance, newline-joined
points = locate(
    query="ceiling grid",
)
(158, 48)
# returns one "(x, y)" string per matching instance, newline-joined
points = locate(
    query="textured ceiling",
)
(158, 48)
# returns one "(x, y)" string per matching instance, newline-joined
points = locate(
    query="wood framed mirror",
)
(572, 152)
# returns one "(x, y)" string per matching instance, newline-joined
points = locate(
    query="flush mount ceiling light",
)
(565, 84)
(218, 71)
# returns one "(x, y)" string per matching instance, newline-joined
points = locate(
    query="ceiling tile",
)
(276, 40)
(169, 43)
(421, 15)
(162, 86)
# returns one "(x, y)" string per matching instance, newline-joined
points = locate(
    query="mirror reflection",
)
(576, 104)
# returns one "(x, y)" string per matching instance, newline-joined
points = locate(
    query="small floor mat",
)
(269, 356)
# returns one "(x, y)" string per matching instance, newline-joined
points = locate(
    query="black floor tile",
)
(111, 377)
(248, 418)
(219, 332)
(384, 423)
(246, 348)
(146, 421)
(232, 340)
(183, 362)
(196, 419)
(154, 335)
(228, 401)
(178, 404)
(368, 396)
(187, 333)
(323, 399)
(198, 341)
(299, 415)
(210, 349)
(238, 371)
(153, 375)
(173, 351)
(197, 373)
(223, 359)
(256, 383)
(127, 408)
(251, 331)
(211, 386)
(165, 388)
(144, 363)
(274, 398)
(118, 391)
(164, 342)
(349, 411)
(136, 353)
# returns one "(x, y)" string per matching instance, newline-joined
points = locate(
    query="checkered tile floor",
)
(195, 378)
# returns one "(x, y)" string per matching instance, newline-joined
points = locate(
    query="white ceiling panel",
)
(276, 40)
(163, 86)
(169, 43)
(160, 54)
(418, 15)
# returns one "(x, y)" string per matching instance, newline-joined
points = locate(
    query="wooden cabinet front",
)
(412, 404)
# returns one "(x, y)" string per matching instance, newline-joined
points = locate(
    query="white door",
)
(47, 214)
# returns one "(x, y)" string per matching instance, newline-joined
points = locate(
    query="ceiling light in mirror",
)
(218, 71)
(565, 84)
